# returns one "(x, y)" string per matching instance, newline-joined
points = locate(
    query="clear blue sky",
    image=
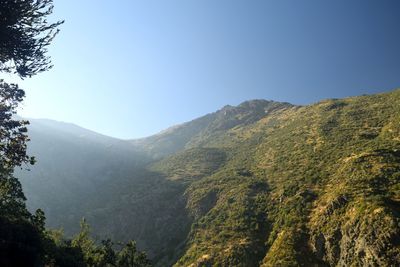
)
(132, 68)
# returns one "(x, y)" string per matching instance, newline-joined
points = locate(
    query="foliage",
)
(24, 36)
(129, 256)
(104, 255)
(191, 163)
(13, 133)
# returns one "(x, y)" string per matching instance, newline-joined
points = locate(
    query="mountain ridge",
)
(315, 185)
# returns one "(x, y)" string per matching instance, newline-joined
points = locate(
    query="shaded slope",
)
(80, 173)
(72, 163)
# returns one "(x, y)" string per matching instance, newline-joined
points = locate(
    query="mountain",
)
(193, 133)
(259, 184)
(71, 163)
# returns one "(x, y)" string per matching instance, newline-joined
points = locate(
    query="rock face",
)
(369, 241)
(260, 184)
(361, 228)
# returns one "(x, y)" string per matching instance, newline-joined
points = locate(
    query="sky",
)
(130, 68)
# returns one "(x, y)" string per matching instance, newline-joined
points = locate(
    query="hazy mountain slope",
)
(260, 184)
(72, 163)
(80, 173)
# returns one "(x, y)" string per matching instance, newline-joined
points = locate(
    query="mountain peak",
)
(180, 136)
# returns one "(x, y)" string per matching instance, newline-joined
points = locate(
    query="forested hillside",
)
(260, 184)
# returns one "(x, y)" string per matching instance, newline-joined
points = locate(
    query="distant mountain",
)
(72, 163)
(260, 184)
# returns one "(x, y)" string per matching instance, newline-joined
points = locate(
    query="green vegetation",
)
(260, 184)
(273, 185)
(191, 163)
(330, 173)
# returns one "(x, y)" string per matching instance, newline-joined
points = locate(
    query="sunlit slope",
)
(308, 185)
(209, 128)
(259, 184)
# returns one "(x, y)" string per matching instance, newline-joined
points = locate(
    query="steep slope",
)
(260, 184)
(314, 185)
(192, 134)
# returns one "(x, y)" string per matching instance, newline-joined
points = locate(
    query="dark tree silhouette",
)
(13, 135)
(25, 34)
(24, 37)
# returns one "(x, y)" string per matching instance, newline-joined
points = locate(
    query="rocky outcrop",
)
(368, 239)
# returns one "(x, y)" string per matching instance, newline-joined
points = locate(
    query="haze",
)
(129, 69)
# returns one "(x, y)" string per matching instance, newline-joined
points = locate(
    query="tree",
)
(21, 231)
(13, 133)
(25, 35)
(104, 255)
(129, 256)
(12, 199)
(83, 241)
